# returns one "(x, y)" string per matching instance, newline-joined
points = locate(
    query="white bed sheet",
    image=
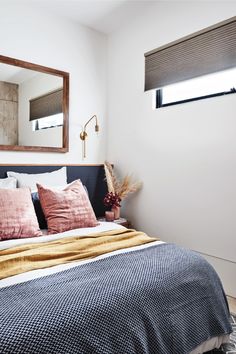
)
(103, 226)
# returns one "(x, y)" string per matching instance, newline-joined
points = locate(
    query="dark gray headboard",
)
(92, 176)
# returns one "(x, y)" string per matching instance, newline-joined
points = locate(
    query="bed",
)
(136, 295)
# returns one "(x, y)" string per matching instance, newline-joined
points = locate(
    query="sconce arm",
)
(83, 134)
(96, 126)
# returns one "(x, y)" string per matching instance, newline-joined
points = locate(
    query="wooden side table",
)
(121, 221)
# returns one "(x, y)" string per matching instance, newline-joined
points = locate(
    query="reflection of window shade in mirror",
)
(47, 105)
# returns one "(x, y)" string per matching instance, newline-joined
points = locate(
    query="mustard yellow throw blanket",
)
(24, 258)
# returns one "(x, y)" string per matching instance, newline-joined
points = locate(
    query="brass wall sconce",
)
(83, 134)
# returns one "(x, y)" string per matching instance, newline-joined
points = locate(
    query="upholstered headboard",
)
(92, 176)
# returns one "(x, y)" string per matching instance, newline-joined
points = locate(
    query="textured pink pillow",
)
(66, 209)
(17, 215)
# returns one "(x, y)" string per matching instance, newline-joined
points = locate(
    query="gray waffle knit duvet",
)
(159, 300)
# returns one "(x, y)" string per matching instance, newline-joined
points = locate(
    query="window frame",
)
(159, 97)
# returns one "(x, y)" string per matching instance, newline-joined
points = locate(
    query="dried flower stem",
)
(121, 188)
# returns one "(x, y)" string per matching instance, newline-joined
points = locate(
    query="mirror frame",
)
(46, 70)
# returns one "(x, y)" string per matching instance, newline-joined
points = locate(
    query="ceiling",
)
(102, 15)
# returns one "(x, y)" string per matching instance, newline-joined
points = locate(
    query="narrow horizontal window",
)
(217, 84)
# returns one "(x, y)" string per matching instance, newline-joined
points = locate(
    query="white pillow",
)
(49, 179)
(8, 183)
(60, 188)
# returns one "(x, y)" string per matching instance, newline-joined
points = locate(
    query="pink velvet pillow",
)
(66, 209)
(17, 215)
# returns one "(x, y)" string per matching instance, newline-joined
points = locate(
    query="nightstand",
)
(121, 221)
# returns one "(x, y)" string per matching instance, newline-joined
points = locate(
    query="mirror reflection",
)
(31, 107)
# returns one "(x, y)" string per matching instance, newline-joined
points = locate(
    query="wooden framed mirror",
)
(34, 107)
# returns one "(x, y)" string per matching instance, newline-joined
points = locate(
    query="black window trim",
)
(159, 97)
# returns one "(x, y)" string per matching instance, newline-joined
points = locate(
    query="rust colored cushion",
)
(66, 209)
(17, 215)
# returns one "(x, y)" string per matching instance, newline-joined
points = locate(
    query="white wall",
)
(186, 154)
(50, 41)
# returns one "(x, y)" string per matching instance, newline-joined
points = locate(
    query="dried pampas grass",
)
(121, 188)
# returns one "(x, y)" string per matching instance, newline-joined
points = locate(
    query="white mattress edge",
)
(210, 344)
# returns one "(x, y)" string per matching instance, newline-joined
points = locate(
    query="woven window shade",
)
(204, 52)
(46, 105)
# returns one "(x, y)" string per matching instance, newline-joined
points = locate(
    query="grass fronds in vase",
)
(118, 189)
